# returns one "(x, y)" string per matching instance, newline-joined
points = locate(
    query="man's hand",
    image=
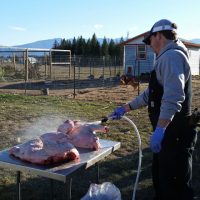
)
(118, 113)
(156, 139)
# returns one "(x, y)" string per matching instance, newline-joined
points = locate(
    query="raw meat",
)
(82, 134)
(46, 149)
(59, 146)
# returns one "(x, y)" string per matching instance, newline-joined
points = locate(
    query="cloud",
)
(133, 28)
(98, 26)
(17, 28)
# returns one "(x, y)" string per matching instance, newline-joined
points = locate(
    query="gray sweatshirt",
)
(172, 71)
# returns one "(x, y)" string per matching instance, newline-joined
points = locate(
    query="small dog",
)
(126, 80)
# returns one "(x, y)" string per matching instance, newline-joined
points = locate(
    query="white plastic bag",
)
(104, 191)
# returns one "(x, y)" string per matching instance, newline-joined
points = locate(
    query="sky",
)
(26, 21)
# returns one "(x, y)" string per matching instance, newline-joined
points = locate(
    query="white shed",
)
(32, 60)
(140, 57)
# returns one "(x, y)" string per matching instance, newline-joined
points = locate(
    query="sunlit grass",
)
(20, 112)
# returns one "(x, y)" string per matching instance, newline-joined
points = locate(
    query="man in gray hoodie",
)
(168, 97)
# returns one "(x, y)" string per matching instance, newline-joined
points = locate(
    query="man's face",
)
(154, 42)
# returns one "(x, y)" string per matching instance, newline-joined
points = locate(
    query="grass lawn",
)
(24, 117)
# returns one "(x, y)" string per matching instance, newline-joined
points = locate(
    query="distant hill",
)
(42, 44)
(48, 44)
(196, 41)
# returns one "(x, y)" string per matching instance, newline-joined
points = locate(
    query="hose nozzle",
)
(105, 119)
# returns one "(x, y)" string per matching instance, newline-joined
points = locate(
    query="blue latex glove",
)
(118, 113)
(156, 139)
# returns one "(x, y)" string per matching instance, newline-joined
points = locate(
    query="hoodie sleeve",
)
(140, 101)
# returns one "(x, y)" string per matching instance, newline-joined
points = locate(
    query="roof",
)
(134, 38)
(186, 42)
(190, 44)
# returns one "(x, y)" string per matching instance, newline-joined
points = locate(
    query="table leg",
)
(69, 189)
(52, 189)
(18, 185)
(97, 173)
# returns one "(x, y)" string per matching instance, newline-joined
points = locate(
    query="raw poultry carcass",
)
(46, 149)
(59, 146)
(82, 134)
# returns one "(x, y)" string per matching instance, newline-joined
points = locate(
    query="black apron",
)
(172, 166)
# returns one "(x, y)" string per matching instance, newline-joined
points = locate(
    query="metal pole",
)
(74, 77)
(14, 61)
(103, 69)
(70, 59)
(115, 69)
(50, 60)
(24, 59)
(79, 68)
(45, 60)
(90, 67)
(138, 77)
(69, 189)
(97, 175)
(52, 189)
(103, 66)
(18, 186)
(26, 70)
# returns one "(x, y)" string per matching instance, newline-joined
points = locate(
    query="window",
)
(141, 52)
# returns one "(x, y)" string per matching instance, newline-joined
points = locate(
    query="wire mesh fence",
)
(196, 91)
(33, 73)
(57, 72)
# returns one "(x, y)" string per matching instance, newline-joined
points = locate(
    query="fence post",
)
(74, 77)
(26, 69)
(70, 60)
(45, 65)
(110, 65)
(103, 66)
(139, 77)
(103, 70)
(89, 59)
(115, 67)
(50, 60)
(14, 62)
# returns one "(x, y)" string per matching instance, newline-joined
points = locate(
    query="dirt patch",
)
(118, 94)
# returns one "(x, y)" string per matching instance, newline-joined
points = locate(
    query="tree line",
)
(91, 47)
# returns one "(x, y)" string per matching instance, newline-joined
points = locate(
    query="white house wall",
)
(194, 60)
(137, 41)
(145, 66)
(138, 66)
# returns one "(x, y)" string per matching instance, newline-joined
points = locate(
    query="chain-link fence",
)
(196, 91)
(35, 64)
(57, 72)
(33, 72)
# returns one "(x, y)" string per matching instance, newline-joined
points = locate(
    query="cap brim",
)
(147, 39)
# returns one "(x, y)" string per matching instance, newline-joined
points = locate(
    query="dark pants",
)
(172, 166)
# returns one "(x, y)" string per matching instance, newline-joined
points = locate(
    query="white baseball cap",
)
(161, 25)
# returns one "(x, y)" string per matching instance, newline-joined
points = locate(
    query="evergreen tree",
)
(73, 49)
(111, 48)
(55, 44)
(94, 46)
(87, 51)
(80, 46)
(104, 48)
(68, 45)
(97, 49)
(91, 47)
(119, 49)
(63, 44)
